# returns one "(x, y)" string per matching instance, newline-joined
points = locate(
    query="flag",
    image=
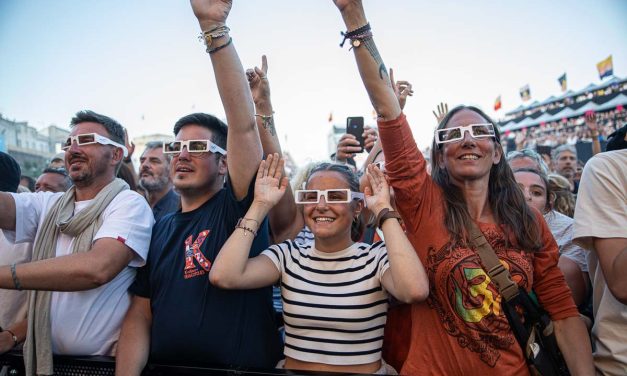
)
(497, 103)
(605, 68)
(330, 116)
(525, 93)
(562, 80)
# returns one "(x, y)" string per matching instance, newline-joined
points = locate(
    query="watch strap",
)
(386, 214)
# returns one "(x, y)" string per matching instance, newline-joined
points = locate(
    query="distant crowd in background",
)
(487, 254)
(571, 131)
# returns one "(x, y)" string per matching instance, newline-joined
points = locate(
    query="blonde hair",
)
(563, 198)
(302, 175)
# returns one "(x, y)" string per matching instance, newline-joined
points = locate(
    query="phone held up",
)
(355, 126)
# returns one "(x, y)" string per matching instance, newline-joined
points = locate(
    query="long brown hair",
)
(505, 198)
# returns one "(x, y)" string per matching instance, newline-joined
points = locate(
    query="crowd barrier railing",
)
(12, 364)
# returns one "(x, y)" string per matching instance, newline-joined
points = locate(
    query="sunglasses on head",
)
(193, 146)
(455, 134)
(331, 196)
(91, 138)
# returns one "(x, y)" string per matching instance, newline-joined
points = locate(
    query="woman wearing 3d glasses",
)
(461, 328)
(334, 291)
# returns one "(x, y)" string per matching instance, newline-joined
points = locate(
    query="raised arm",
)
(371, 67)
(243, 145)
(406, 278)
(130, 146)
(591, 123)
(285, 220)
(232, 268)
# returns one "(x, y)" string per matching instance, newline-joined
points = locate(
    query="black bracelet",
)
(221, 47)
(350, 34)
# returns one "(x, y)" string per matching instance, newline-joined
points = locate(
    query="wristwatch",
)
(386, 214)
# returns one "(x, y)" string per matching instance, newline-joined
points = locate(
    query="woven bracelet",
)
(220, 47)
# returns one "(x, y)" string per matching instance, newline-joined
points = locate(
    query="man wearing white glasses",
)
(177, 315)
(87, 242)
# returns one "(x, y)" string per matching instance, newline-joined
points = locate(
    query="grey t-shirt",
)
(562, 228)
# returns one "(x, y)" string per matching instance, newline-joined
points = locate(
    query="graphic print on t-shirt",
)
(468, 302)
(193, 252)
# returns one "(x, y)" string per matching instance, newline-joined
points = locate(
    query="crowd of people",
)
(407, 264)
(571, 131)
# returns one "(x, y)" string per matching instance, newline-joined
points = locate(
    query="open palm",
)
(378, 193)
(270, 186)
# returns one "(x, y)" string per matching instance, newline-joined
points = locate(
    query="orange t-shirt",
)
(460, 329)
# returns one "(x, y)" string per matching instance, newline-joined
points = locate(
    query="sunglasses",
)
(193, 146)
(331, 196)
(455, 134)
(92, 138)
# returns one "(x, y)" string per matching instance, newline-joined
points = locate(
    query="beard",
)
(90, 169)
(153, 184)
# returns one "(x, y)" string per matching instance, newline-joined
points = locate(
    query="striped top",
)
(334, 305)
(305, 236)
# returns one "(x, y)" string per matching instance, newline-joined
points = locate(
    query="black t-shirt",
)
(193, 321)
(169, 203)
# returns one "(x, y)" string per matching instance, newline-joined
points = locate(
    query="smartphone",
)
(355, 126)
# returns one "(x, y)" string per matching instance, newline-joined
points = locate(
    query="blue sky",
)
(140, 61)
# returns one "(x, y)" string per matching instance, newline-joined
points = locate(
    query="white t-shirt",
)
(88, 322)
(601, 212)
(13, 303)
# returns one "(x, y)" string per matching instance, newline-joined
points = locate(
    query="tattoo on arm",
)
(268, 123)
(372, 48)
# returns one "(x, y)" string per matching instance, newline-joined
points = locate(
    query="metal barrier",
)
(12, 364)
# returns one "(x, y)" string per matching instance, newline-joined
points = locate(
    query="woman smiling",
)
(461, 329)
(334, 291)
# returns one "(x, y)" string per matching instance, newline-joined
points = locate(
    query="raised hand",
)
(370, 138)
(343, 5)
(258, 81)
(442, 111)
(591, 122)
(402, 89)
(269, 185)
(211, 13)
(347, 147)
(130, 145)
(378, 192)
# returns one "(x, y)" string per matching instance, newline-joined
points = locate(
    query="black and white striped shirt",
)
(334, 305)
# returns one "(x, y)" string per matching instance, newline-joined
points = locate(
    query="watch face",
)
(356, 42)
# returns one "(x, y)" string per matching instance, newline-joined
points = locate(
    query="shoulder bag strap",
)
(495, 269)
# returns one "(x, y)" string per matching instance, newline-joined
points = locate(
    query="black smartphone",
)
(355, 126)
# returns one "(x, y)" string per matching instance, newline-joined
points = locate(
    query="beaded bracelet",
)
(352, 33)
(208, 36)
(241, 225)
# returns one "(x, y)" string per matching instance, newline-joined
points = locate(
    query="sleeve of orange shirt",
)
(405, 166)
(548, 281)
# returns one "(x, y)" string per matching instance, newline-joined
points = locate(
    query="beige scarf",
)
(82, 227)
